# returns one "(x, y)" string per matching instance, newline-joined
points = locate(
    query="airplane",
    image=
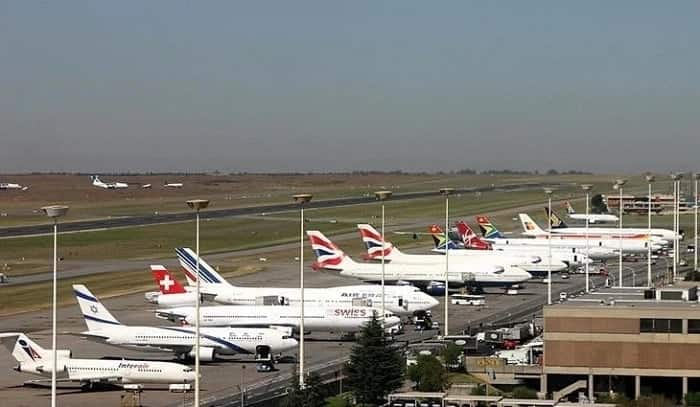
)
(104, 327)
(559, 227)
(560, 256)
(331, 257)
(167, 184)
(171, 293)
(316, 318)
(107, 185)
(34, 359)
(6, 185)
(401, 300)
(596, 249)
(592, 217)
(462, 258)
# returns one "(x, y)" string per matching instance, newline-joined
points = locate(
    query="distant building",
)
(624, 340)
(640, 204)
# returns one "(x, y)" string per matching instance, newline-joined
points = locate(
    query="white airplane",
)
(592, 217)
(107, 185)
(104, 327)
(461, 259)
(561, 230)
(5, 185)
(402, 300)
(316, 318)
(167, 184)
(171, 293)
(330, 257)
(35, 360)
(595, 248)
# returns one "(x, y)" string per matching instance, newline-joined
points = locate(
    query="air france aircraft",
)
(330, 257)
(104, 327)
(107, 185)
(592, 217)
(35, 360)
(400, 300)
(462, 258)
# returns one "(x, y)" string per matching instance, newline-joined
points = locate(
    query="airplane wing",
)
(170, 315)
(88, 335)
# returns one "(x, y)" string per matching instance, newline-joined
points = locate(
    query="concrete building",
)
(624, 340)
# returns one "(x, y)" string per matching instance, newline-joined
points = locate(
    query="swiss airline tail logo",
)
(167, 284)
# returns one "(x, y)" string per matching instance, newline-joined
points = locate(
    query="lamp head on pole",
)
(620, 182)
(301, 199)
(650, 177)
(55, 211)
(548, 191)
(446, 191)
(382, 195)
(198, 204)
(676, 176)
(586, 187)
(696, 176)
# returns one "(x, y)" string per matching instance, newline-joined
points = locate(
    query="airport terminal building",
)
(624, 340)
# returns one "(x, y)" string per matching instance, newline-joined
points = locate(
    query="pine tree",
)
(312, 395)
(375, 368)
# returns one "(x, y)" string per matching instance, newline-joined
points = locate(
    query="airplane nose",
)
(432, 301)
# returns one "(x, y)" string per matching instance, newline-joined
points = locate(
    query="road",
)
(140, 220)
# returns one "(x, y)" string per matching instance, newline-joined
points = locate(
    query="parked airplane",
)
(560, 228)
(397, 299)
(330, 257)
(167, 184)
(598, 249)
(104, 327)
(35, 360)
(171, 293)
(559, 256)
(592, 217)
(5, 185)
(107, 185)
(461, 259)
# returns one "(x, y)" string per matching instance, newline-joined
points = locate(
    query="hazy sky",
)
(330, 85)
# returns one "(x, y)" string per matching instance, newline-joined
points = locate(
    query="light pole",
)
(54, 212)
(587, 188)
(301, 199)
(650, 180)
(676, 177)
(548, 192)
(696, 177)
(446, 193)
(618, 184)
(383, 196)
(197, 205)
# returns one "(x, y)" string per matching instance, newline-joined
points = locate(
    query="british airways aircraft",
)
(33, 359)
(104, 327)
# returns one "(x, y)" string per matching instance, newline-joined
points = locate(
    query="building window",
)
(694, 326)
(660, 325)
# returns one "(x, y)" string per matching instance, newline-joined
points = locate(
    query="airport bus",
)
(468, 299)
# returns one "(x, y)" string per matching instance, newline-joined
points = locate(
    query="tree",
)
(312, 395)
(375, 368)
(428, 373)
(522, 392)
(451, 355)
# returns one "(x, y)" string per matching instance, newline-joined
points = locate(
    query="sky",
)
(276, 86)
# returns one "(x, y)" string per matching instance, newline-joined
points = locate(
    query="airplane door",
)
(403, 303)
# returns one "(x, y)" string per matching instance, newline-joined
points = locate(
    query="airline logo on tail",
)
(327, 253)
(373, 242)
(188, 261)
(439, 238)
(470, 239)
(554, 220)
(27, 348)
(167, 284)
(488, 230)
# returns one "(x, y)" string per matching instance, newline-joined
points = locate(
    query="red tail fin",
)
(165, 281)
(470, 239)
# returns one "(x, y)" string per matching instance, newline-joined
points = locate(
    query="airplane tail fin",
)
(97, 317)
(328, 254)
(188, 261)
(488, 229)
(529, 225)
(569, 209)
(23, 349)
(373, 242)
(470, 239)
(167, 284)
(440, 240)
(554, 220)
